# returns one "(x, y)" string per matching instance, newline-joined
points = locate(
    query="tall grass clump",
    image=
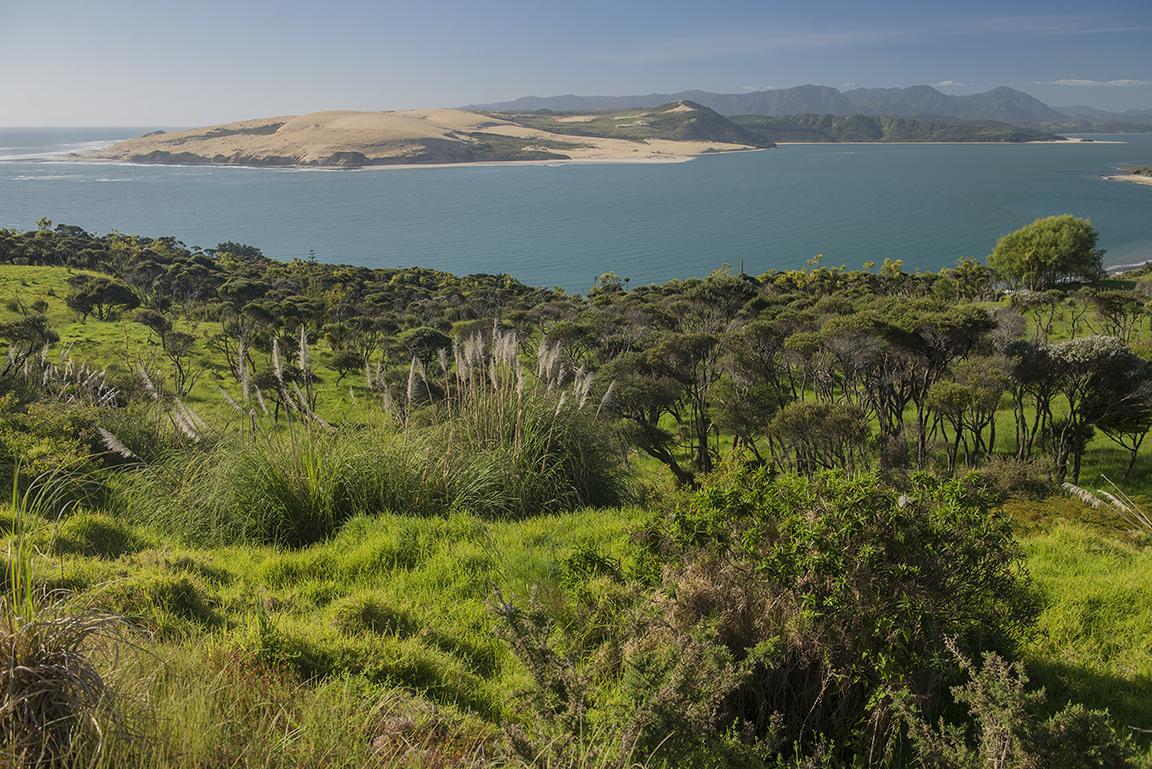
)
(59, 703)
(287, 488)
(475, 438)
(507, 446)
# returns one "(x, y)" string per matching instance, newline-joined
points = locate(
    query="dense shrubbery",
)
(785, 614)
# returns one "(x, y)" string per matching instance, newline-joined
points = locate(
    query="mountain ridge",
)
(1002, 104)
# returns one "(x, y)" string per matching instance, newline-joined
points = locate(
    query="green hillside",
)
(675, 121)
(863, 128)
(269, 514)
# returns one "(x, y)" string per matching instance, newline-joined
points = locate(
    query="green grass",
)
(1091, 644)
(387, 620)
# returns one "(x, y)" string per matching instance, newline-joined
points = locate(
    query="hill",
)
(682, 120)
(1004, 104)
(345, 139)
(861, 128)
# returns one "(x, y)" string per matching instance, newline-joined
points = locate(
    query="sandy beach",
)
(345, 139)
(1134, 178)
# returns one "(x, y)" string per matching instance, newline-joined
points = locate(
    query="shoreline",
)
(1072, 140)
(653, 157)
(1130, 178)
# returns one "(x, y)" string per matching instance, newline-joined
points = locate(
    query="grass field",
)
(292, 595)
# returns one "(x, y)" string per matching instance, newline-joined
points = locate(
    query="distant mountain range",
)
(1002, 104)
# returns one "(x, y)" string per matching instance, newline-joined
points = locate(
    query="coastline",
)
(640, 155)
(1131, 178)
(1068, 140)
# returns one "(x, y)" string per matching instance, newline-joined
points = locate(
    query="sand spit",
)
(1134, 178)
(345, 139)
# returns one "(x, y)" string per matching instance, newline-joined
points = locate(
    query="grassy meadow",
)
(462, 572)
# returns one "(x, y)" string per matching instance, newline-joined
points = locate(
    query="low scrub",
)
(779, 614)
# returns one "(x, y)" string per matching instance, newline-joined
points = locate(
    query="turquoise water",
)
(928, 205)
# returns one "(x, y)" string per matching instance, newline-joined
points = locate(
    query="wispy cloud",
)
(947, 83)
(759, 88)
(758, 40)
(1094, 82)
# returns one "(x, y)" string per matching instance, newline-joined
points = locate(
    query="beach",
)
(346, 139)
(1134, 178)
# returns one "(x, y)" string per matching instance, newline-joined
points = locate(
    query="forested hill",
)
(863, 128)
(682, 120)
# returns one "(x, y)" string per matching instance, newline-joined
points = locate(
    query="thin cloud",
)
(724, 43)
(947, 83)
(759, 88)
(1094, 82)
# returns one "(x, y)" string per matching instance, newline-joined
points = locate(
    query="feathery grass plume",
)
(1120, 504)
(415, 377)
(351, 395)
(582, 386)
(277, 360)
(542, 360)
(560, 403)
(115, 445)
(193, 417)
(607, 399)
(242, 370)
(230, 400)
(149, 386)
(185, 426)
(305, 362)
(261, 401)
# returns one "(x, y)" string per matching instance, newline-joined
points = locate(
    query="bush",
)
(1003, 478)
(783, 611)
(1010, 731)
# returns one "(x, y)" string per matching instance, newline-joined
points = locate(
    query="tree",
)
(26, 337)
(103, 296)
(1048, 251)
(1103, 384)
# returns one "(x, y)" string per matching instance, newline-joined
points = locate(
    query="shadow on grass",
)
(1128, 700)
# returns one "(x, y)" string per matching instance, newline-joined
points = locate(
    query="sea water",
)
(564, 224)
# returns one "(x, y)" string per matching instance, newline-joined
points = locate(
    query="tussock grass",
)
(63, 695)
(492, 447)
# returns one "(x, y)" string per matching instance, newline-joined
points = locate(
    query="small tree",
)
(103, 297)
(1048, 251)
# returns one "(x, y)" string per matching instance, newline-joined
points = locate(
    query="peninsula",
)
(1136, 174)
(346, 139)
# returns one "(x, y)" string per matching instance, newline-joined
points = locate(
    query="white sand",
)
(436, 136)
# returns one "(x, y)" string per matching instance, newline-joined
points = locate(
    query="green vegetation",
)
(677, 121)
(1049, 251)
(266, 129)
(864, 128)
(304, 514)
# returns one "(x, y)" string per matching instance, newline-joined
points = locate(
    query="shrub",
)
(1003, 478)
(782, 611)
(1010, 731)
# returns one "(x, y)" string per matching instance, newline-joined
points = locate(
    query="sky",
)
(182, 64)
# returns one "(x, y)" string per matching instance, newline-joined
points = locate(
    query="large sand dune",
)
(358, 139)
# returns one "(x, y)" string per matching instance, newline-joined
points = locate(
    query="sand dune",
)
(359, 139)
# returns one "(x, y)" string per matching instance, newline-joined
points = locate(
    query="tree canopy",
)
(1048, 251)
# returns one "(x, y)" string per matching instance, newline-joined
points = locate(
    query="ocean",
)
(565, 224)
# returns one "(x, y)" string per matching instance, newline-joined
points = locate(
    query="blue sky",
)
(164, 63)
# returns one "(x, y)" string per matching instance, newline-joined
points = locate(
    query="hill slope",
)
(344, 139)
(862, 128)
(1004, 104)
